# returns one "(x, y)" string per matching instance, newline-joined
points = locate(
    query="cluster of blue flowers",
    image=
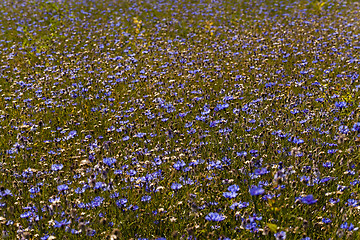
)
(179, 119)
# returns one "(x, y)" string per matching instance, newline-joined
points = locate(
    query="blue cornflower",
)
(188, 124)
(236, 110)
(255, 190)
(62, 187)
(228, 98)
(341, 104)
(241, 154)
(109, 161)
(71, 134)
(220, 107)
(57, 167)
(114, 195)
(216, 217)
(328, 164)
(326, 220)
(96, 202)
(297, 141)
(230, 194)
(63, 222)
(5, 193)
(80, 190)
(206, 111)
(121, 202)
(191, 131)
(233, 188)
(344, 129)
(176, 186)
(356, 127)
(352, 202)
(146, 198)
(26, 214)
(347, 226)
(131, 172)
(45, 237)
(140, 135)
(179, 164)
(54, 199)
(98, 185)
(309, 199)
(239, 205)
(280, 235)
(34, 190)
(331, 151)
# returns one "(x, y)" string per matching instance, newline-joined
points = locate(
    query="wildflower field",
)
(182, 119)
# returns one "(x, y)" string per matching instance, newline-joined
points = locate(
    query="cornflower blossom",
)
(255, 191)
(176, 186)
(216, 217)
(309, 199)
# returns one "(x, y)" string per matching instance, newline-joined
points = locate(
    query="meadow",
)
(179, 119)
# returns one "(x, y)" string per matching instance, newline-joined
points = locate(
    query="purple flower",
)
(34, 190)
(230, 194)
(179, 164)
(221, 107)
(356, 127)
(216, 217)
(96, 202)
(5, 193)
(326, 220)
(255, 190)
(121, 202)
(98, 185)
(348, 226)
(341, 104)
(280, 235)
(331, 151)
(239, 205)
(140, 135)
(328, 164)
(344, 129)
(176, 186)
(241, 154)
(146, 198)
(26, 214)
(45, 237)
(131, 172)
(71, 134)
(297, 141)
(57, 167)
(233, 188)
(63, 222)
(109, 161)
(62, 187)
(309, 199)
